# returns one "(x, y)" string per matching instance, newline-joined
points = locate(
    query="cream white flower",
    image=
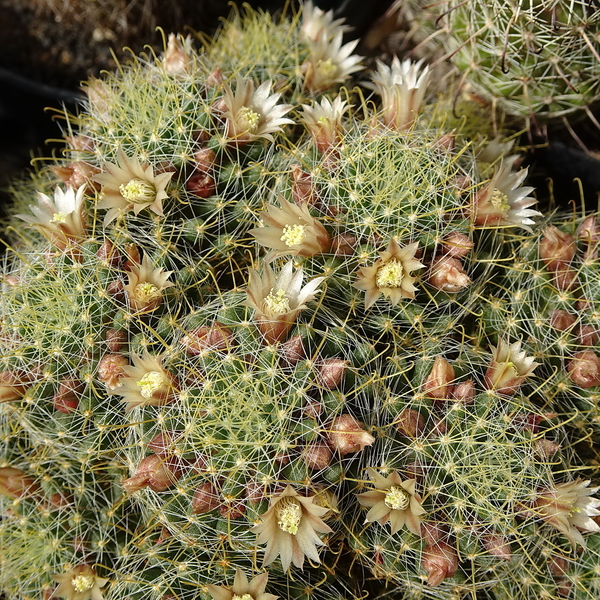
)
(178, 56)
(242, 589)
(278, 300)
(569, 507)
(317, 23)
(79, 583)
(253, 113)
(60, 219)
(324, 121)
(131, 186)
(290, 528)
(390, 274)
(501, 202)
(393, 500)
(146, 285)
(402, 88)
(329, 63)
(509, 368)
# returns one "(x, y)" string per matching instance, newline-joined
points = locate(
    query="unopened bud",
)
(303, 190)
(497, 545)
(116, 289)
(445, 143)
(204, 160)
(414, 470)
(109, 254)
(583, 305)
(255, 492)
(133, 257)
(557, 249)
(15, 484)
(215, 78)
(543, 448)
(163, 444)
(292, 351)
(562, 320)
(206, 498)
(116, 339)
(176, 60)
(432, 533)
(589, 233)
(447, 275)
(155, 472)
(217, 337)
(12, 386)
(464, 392)
(110, 370)
(584, 369)
(232, 508)
(66, 398)
(457, 245)
(201, 185)
(566, 280)
(344, 244)
(410, 423)
(330, 372)
(317, 456)
(440, 561)
(312, 409)
(438, 384)
(346, 435)
(588, 335)
(558, 565)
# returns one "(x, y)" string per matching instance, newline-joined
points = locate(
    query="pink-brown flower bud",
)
(445, 143)
(110, 370)
(204, 160)
(292, 350)
(410, 423)
(317, 456)
(558, 565)
(438, 384)
(12, 386)
(566, 280)
(116, 339)
(432, 533)
(109, 254)
(163, 444)
(217, 337)
(544, 449)
(255, 492)
(232, 508)
(312, 409)
(588, 335)
(562, 320)
(557, 249)
(303, 190)
(440, 561)
(66, 398)
(584, 369)
(15, 484)
(457, 245)
(347, 435)
(215, 78)
(447, 275)
(464, 392)
(331, 371)
(497, 545)
(116, 289)
(155, 472)
(589, 233)
(344, 244)
(206, 498)
(201, 185)
(177, 58)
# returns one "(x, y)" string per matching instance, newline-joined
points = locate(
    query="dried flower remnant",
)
(390, 275)
(131, 186)
(61, 219)
(329, 63)
(278, 300)
(570, 508)
(159, 473)
(290, 528)
(509, 368)
(502, 203)
(146, 286)
(242, 589)
(146, 383)
(253, 113)
(584, 369)
(402, 88)
(110, 370)
(440, 561)
(291, 230)
(347, 435)
(79, 583)
(393, 500)
(448, 275)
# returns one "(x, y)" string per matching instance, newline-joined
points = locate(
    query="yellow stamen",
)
(83, 583)
(277, 303)
(326, 68)
(390, 274)
(289, 515)
(293, 235)
(247, 120)
(138, 191)
(58, 218)
(499, 200)
(242, 597)
(151, 382)
(397, 498)
(146, 292)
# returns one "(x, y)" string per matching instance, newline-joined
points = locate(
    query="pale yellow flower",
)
(290, 528)
(390, 275)
(79, 583)
(146, 285)
(291, 229)
(146, 383)
(253, 113)
(324, 121)
(61, 219)
(131, 186)
(509, 368)
(242, 589)
(393, 500)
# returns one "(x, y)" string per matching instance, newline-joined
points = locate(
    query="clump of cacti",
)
(263, 336)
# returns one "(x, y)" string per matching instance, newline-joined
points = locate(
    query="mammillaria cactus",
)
(254, 345)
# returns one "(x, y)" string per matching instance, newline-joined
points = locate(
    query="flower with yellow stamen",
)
(146, 285)
(79, 583)
(290, 528)
(390, 275)
(242, 589)
(131, 186)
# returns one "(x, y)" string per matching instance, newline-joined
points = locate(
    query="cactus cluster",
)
(266, 336)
